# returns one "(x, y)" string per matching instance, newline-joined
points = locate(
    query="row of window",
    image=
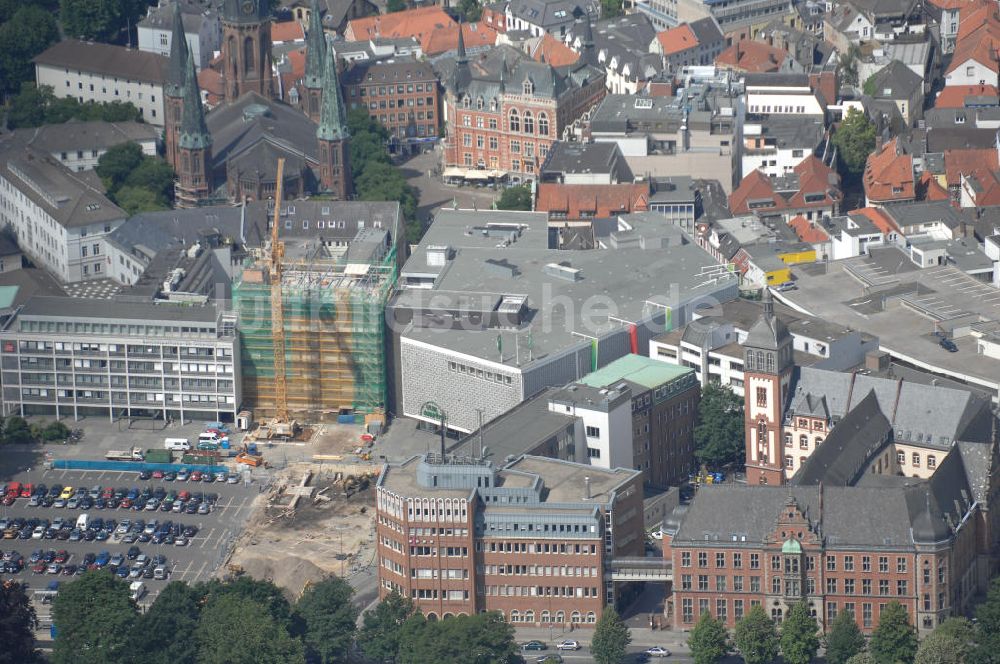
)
(547, 617)
(790, 563)
(521, 123)
(538, 570)
(479, 373)
(541, 591)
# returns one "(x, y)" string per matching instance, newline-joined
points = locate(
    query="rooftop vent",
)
(563, 271)
(438, 254)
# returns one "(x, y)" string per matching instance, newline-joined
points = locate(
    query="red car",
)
(157, 474)
(39, 568)
(108, 493)
(125, 504)
(196, 476)
(61, 557)
(184, 496)
(27, 490)
(9, 499)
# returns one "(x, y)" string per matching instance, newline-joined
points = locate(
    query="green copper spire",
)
(194, 133)
(178, 56)
(315, 48)
(332, 122)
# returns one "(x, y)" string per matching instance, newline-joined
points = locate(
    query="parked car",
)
(657, 651)
(948, 345)
(568, 644)
(534, 645)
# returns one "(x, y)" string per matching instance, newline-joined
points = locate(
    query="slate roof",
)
(622, 44)
(547, 13)
(106, 59)
(897, 82)
(844, 454)
(928, 415)
(75, 135)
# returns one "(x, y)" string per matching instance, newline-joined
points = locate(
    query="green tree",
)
(515, 198)
(135, 200)
(236, 627)
(97, 20)
(709, 640)
(328, 619)
(869, 86)
(862, 658)
(27, 109)
(951, 642)
(485, 638)
(162, 635)
(33, 107)
(93, 616)
(115, 165)
(718, 431)
(611, 638)
(845, 639)
(799, 636)
(29, 31)
(894, 640)
(611, 8)
(756, 637)
(16, 430)
(154, 175)
(854, 140)
(17, 624)
(55, 430)
(395, 6)
(987, 648)
(262, 593)
(470, 10)
(381, 628)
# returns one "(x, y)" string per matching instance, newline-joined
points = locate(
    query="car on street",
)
(657, 651)
(549, 659)
(534, 645)
(568, 644)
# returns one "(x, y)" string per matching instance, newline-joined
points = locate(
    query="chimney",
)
(586, 488)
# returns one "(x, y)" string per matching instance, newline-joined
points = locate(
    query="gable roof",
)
(444, 39)
(879, 218)
(287, 31)
(967, 161)
(750, 55)
(956, 96)
(896, 81)
(554, 52)
(107, 59)
(678, 39)
(808, 231)
(888, 170)
(757, 193)
(597, 200)
(408, 23)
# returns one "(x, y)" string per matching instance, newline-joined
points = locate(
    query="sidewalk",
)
(641, 637)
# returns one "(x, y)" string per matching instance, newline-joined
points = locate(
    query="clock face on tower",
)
(248, 7)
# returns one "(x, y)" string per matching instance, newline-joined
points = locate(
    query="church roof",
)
(768, 332)
(194, 132)
(177, 68)
(246, 11)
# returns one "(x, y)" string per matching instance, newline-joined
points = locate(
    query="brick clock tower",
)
(246, 48)
(767, 368)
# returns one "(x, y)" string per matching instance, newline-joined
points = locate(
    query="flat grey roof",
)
(563, 313)
(902, 307)
(78, 308)
(564, 480)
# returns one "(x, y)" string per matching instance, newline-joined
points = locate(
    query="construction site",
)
(311, 310)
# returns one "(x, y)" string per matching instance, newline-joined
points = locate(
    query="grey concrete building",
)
(487, 315)
(72, 357)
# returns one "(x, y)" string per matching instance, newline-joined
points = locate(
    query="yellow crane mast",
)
(277, 306)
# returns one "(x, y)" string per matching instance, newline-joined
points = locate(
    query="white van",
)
(177, 444)
(136, 590)
(82, 521)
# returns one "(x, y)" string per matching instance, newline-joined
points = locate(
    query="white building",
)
(977, 69)
(73, 357)
(607, 422)
(60, 220)
(79, 145)
(781, 94)
(202, 28)
(104, 73)
(778, 144)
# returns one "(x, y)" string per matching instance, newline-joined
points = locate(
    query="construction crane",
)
(278, 307)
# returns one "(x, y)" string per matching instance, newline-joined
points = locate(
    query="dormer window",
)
(479, 103)
(529, 87)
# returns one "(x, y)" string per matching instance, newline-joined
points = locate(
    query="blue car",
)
(102, 559)
(133, 493)
(122, 572)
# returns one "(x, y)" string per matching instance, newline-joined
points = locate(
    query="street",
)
(419, 172)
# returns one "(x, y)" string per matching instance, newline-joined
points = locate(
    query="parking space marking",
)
(207, 538)
(200, 570)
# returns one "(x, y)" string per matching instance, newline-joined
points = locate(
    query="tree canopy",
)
(236, 627)
(709, 640)
(718, 431)
(894, 640)
(27, 30)
(987, 649)
(484, 638)
(326, 619)
(379, 637)
(34, 107)
(17, 624)
(756, 637)
(515, 198)
(100, 20)
(799, 635)
(845, 639)
(135, 181)
(951, 642)
(162, 635)
(611, 8)
(611, 638)
(93, 616)
(854, 140)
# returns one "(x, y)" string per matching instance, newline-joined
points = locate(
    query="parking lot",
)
(192, 562)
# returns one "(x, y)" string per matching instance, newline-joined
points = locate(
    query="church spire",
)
(194, 132)
(587, 53)
(461, 58)
(315, 48)
(178, 56)
(332, 124)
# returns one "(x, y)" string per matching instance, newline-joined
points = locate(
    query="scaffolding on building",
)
(334, 328)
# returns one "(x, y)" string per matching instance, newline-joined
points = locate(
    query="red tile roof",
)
(210, 82)
(888, 169)
(596, 200)
(287, 31)
(815, 177)
(808, 231)
(752, 56)
(967, 161)
(990, 194)
(677, 39)
(953, 96)
(552, 51)
(444, 39)
(929, 189)
(410, 23)
(978, 36)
